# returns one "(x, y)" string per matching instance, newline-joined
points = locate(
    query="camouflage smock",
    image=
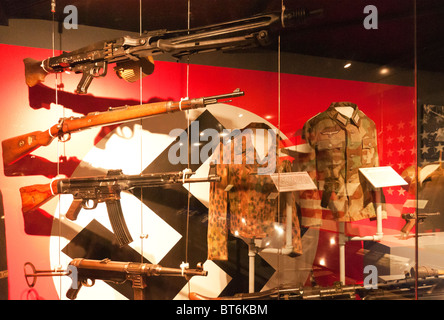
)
(241, 204)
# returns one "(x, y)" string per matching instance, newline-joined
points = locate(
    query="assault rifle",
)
(17, 147)
(133, 55)
(84, 272)
(427, 281)
(90, 191)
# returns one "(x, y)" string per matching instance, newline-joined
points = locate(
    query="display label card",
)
(381, 177)
(411, 203)
(293, 181)
(273, 195)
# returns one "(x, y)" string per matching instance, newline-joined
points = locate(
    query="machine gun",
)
(90, 191)
(424, 280)
(133, 55)
(84, 272)
(17, 147)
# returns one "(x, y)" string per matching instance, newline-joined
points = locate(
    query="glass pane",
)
(429, 181)
(348, 110)
(328, 103)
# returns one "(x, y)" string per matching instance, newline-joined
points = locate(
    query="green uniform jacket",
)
(340, 146)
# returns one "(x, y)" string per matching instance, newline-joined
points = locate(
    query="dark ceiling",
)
(338, 32)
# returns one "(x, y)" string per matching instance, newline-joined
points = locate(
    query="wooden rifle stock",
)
(36, 195)
(34, 73)
(17, 147)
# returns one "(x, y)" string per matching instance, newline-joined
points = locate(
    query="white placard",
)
(293, 181)
(381, 177)
(411, 203)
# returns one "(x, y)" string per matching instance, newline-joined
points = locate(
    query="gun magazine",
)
(123, 236)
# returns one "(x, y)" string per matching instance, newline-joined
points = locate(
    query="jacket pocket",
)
(368, 151)
(330, 145)
(330, 153)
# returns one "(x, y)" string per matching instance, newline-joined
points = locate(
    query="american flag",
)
(399, 152)
(431, 134)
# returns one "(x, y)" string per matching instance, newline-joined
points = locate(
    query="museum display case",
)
(203, 150)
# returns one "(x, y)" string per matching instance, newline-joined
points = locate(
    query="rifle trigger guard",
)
(86, 206)
(65, 137)
(88, 282)
(100, 69)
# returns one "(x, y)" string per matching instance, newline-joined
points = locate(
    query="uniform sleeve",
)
(309, 200)
(217, 236)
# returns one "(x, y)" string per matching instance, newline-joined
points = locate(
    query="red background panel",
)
(26, 109)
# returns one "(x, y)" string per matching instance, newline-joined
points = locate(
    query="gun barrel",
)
(425, 271)
(214, 99)
(176, 272)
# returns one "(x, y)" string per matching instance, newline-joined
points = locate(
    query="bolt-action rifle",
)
(17, 147)
(133, 55)
(90, 191)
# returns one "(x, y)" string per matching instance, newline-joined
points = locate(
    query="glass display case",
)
(195, 150)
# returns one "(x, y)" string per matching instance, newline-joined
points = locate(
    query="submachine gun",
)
(84, 272)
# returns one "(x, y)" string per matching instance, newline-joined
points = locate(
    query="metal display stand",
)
(285, 183)
(378, 177)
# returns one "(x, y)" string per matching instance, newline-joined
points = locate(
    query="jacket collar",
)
(341, 119)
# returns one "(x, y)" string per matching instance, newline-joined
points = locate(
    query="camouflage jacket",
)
(340, 146)
(241, 203)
